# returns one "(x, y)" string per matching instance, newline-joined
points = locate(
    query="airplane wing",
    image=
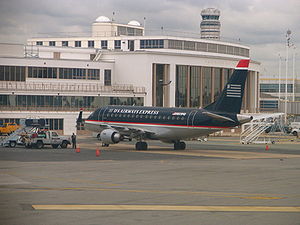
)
(129, 130)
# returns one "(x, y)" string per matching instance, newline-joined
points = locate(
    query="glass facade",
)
(151, 44)
(91, 44)
(217, 82)
(63, 103)
(198, 86)
(117, 44)
(159, 84)
(207, 86)
(12, 73)
(207, 47)
(42, 72)
(77, 43)
(51, 43)
(65, 43)
(274, 88)
(107, 77)
(195, 84)
(181, 86)
(103, 44)
(269, 104)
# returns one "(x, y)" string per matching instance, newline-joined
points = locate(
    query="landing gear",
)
(179, 145)
(141, 145)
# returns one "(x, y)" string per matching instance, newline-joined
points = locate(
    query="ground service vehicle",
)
(8, 128)
(38, 140)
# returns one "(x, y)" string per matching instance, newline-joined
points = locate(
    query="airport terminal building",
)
(53, 77)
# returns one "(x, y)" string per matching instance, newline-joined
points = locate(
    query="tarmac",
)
(214, 182)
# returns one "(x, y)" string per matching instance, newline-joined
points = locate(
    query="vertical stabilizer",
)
(230, 100)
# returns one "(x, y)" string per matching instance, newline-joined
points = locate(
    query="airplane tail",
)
(79, 118)
(230, 100)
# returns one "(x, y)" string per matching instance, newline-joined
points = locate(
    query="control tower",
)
(210, 24)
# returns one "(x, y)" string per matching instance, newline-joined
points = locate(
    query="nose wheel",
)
(141, 145)
(179, 145)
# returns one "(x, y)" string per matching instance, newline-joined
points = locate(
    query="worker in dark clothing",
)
(73, 140)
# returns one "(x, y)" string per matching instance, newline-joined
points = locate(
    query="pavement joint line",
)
(211, 194)
(171, 208)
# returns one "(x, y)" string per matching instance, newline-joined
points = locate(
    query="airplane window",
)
(159, 117)
(108, 115)
(182, 118)
(150, 116)
(169, 117)
(120, 115)
(173, 117)
(164, 117)
(132, 116)
(124, 115)
(141, 116)
(137, 116)
(128, 115)
(178, 118)
(155, 117)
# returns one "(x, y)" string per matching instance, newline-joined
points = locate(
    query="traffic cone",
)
(97, 152)
(267, 147)
(77, 149)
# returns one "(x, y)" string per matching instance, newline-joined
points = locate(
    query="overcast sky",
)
(260, 24)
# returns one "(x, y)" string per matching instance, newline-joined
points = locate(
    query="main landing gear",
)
(141, 145)
(179, 145)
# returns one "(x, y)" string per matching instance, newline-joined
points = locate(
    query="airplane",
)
(172, 125)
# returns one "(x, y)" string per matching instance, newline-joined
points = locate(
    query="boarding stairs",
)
(97, 56)
(252, 133)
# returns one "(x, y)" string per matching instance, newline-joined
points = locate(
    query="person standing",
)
(73, 140)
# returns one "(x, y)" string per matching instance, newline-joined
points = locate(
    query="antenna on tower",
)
(113, 15)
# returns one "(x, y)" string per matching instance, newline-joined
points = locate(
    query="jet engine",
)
(110, 136)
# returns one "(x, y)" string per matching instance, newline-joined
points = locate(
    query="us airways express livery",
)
(172, 125)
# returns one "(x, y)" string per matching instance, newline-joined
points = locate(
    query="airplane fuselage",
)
(166, 124)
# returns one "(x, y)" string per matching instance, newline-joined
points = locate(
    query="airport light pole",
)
(279, 79)
(294, 58)
(288, 37)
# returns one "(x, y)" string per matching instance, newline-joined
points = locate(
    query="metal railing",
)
(67, 87)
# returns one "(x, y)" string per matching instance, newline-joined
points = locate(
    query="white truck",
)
(40, 139)
(295, 128)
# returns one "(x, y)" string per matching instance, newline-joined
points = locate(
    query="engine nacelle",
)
(110, 136)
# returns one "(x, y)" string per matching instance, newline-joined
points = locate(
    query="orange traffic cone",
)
(267, 147)
(77, 149)
(97, 152)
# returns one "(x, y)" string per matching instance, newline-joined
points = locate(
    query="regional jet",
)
(172, 125)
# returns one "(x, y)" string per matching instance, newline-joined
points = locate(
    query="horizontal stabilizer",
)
(218, 117)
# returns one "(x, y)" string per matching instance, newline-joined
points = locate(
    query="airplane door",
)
(191, 117)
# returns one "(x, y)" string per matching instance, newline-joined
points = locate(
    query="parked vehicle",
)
(296, 132)
(42, 138)
(8, 128)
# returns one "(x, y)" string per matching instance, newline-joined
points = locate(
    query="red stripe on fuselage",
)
(160, 124)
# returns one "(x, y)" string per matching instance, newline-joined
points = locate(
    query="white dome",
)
(102, 19)
(134, 23)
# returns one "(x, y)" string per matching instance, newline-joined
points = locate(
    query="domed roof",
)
(134, 23)
(102, 19)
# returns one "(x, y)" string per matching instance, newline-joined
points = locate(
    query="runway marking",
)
(171, 208)
(204, 193)
(224, 154)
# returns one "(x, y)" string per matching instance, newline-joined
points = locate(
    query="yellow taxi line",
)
(171, 208)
